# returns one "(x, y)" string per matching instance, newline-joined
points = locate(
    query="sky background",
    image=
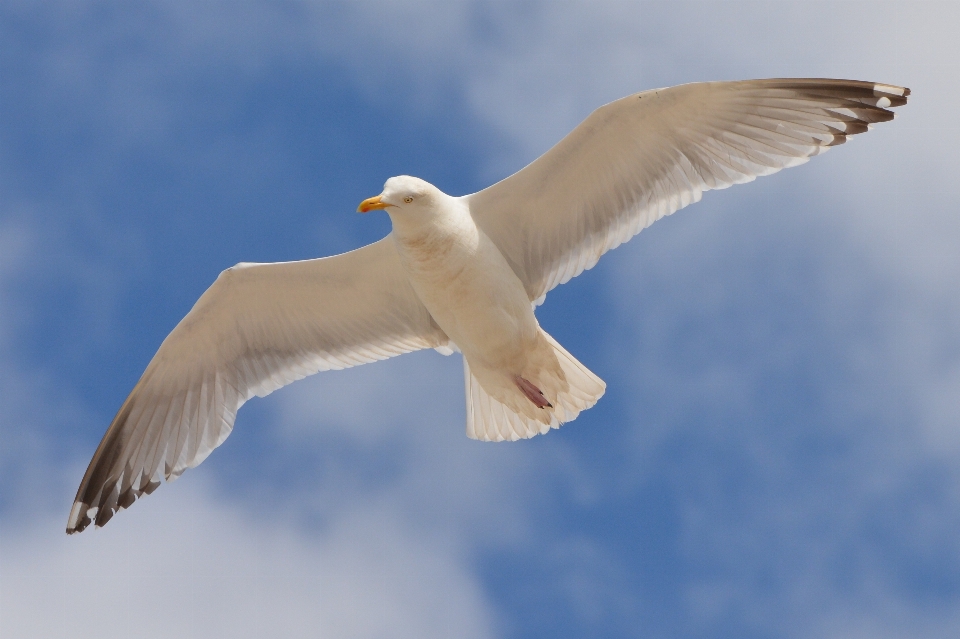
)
(777, 453)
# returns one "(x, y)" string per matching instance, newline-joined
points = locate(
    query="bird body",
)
(481, 305)
(465, 273)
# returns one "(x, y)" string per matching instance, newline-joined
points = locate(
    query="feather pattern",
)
(257, 328)
(645, 156)
(489, 420)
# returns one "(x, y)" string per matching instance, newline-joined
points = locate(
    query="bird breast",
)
(468, 287)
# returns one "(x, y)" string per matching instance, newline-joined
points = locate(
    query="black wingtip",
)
(79, 518)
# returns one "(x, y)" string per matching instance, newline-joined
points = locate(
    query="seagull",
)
(465, 274)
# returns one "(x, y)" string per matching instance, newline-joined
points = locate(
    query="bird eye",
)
(408, 199)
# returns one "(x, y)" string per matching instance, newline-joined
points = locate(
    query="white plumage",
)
(464, 273)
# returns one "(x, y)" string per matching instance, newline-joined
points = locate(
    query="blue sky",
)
(778, 451)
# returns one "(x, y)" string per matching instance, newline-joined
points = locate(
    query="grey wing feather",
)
(645, 156)
(257, 328)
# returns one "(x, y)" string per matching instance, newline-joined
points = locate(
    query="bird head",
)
(401, 193)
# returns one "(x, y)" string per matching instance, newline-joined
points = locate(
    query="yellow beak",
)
(372, 203)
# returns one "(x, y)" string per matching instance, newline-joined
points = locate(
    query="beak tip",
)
(370, 204)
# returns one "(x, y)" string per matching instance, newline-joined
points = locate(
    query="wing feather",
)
(257, 328)
(645, 156)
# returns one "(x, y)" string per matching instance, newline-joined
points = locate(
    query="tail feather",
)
(488, 419)
(585, 387)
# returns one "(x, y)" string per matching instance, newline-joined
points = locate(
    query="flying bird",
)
(465, 273)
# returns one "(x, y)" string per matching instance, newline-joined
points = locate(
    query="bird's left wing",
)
(647, 155)
(257, 328)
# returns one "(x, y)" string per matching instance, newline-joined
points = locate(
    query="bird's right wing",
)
(647, 155)
(257, 328)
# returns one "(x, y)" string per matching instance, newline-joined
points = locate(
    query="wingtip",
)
(78, 519)
(890, 89)
(890, 96)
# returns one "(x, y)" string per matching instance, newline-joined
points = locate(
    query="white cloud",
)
(369, 402)
(404, 419)
(187, 566)
(391, 559)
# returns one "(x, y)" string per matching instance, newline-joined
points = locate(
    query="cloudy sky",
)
(778, 451)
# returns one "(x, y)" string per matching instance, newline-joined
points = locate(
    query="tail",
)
(490, 420)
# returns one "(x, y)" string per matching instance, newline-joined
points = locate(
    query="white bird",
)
(465, 273)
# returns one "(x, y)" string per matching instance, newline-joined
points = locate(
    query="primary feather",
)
(647, 155)
(257, 328)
